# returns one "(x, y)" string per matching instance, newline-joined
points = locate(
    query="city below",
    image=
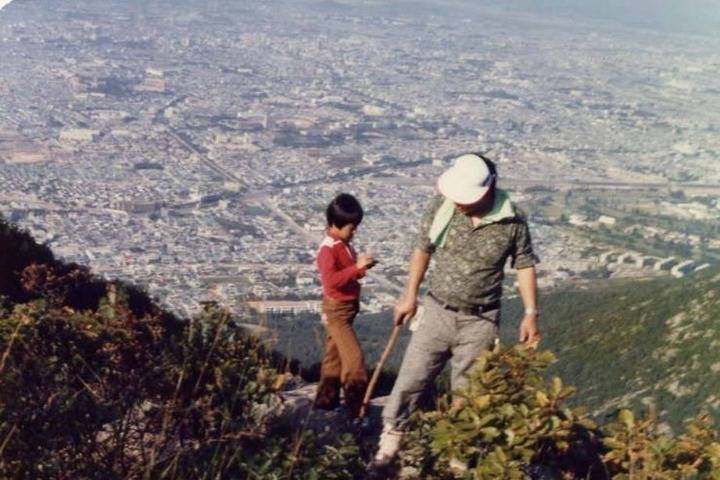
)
(192, 148)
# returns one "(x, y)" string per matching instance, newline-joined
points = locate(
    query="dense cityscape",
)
(192, 147)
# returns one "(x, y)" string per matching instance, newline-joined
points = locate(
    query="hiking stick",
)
(376, 374)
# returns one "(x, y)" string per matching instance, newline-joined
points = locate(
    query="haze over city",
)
(191, 147)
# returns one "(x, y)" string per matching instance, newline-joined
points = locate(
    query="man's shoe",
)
(388, 448)
(379, 468)
(458, 465)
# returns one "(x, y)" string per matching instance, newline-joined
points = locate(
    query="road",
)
(262, 198)
(159, 118)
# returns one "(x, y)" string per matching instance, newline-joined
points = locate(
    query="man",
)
(469, 230)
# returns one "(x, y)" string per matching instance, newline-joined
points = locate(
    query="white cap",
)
(467, 181)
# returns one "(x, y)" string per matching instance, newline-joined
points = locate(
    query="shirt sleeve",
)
(422, 239)
(522, 253)
(330, 275)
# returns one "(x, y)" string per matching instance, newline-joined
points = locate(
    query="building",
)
(285, 306)
(665, 264)
(78, 135)
(606, 220)
(682, 268)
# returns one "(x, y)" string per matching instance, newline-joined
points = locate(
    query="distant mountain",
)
(638, 343)
(699, 17)
(679, 16)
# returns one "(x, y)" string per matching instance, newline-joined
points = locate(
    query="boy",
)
(343, 364)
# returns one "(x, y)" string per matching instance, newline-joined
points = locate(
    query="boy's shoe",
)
(341, 410)
(361, 425)
(327, 396)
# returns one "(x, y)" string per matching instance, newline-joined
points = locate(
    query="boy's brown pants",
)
(343, 364)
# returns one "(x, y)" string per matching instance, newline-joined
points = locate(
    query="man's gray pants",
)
(441, 335)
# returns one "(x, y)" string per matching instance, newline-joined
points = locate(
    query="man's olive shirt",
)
(468, 269)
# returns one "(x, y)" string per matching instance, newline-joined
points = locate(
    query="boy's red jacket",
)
(338, 273)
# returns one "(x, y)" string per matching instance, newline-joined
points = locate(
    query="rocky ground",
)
(295, 408)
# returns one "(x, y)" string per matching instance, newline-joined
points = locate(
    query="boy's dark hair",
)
(344, 209)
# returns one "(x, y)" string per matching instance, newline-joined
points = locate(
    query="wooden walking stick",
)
(381, 363)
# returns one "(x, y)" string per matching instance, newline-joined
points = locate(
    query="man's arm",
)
(527, 284)
(423, 248)
(406, 307)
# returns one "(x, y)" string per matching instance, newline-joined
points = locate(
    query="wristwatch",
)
(532, 311)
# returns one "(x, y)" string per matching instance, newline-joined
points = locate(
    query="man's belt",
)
(474, 310)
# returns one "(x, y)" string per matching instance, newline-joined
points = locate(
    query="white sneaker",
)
(458, 465)
(388, 446)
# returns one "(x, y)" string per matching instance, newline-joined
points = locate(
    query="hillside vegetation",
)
(98, 382)
(637, 344)
(624, 344)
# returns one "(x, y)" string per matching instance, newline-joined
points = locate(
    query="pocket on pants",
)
(417, 320)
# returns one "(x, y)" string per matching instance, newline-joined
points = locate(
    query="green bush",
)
(104, 394)
(98, 382)
(507, 423)
(638, 451)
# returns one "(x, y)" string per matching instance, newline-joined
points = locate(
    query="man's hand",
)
(529, 333)
(527, 284)
(405, 309)
(406, 306)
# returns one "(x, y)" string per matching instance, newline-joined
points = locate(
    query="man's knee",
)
(413, 382)
(462, 365)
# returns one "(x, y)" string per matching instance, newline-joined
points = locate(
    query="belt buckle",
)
(477, 310)
(447, 306)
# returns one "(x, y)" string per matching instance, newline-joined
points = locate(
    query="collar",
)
(502, 209)
(333, 236)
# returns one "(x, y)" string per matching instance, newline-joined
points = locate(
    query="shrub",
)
(96, 381)
(507, 423)
(18, 250)
(638, 450)
(104, 394)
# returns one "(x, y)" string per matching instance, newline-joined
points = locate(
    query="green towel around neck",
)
(502, 209)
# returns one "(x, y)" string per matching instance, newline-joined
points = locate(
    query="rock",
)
(294, 409)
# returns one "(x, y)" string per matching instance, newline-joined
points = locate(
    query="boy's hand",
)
(365, 261)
